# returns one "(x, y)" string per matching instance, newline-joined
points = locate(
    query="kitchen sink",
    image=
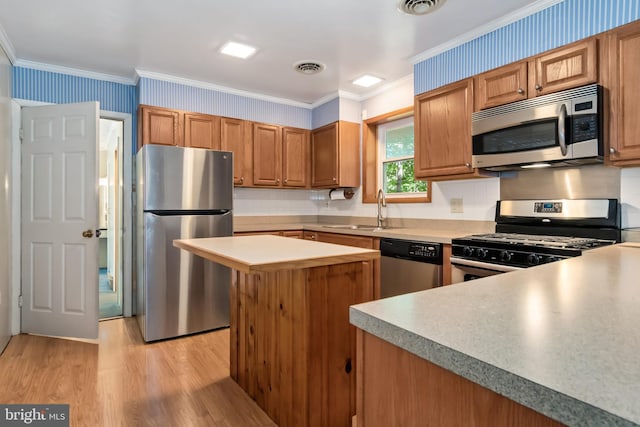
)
(362, 227)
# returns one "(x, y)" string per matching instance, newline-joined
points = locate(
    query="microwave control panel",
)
(584, 127)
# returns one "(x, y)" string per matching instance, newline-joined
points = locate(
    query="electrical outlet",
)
(456, 205)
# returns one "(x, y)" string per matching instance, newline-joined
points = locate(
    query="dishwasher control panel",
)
(423, 250)
(415, 251)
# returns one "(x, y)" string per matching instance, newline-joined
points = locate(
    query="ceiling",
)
(181, 39)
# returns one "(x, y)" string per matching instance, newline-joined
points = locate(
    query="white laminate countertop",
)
(561, 338)
(252, 254)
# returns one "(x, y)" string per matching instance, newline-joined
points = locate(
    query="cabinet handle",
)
(277, 180)
(285, 180)
(334, 179)
(468, 165)
(242, 180)
(538, 87)
(520, 91)
(612, 150)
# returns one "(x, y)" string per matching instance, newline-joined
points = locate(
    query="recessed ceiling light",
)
(238, 50)
(366, 80)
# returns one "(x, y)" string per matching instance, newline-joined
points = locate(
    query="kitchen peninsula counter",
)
(292, 348)
(561, 339)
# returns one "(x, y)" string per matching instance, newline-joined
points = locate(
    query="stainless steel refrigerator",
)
(182, 193)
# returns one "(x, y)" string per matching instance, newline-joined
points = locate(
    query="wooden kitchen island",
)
(292, 347)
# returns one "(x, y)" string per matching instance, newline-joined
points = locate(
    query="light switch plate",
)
(456, 205)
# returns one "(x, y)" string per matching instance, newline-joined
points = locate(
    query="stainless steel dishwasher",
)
(409, 266)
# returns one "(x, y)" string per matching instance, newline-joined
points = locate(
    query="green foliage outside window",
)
(398, 178)
(398, 174)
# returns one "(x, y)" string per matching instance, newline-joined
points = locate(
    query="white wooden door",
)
(59, 220)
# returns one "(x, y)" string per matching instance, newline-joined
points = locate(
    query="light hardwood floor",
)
(124, 382)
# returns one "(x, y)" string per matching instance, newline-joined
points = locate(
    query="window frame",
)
(371, 161)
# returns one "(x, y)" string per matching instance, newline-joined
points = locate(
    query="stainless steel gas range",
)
(534, 232)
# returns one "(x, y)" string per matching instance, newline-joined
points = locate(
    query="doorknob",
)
(87, 233)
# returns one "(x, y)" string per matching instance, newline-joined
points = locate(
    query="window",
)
(387, 159)
(395, 144)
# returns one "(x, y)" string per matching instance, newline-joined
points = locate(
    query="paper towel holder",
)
(346, 192)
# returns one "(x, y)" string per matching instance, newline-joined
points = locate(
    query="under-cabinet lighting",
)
(366, 80)
(238, 50)
(536, 166)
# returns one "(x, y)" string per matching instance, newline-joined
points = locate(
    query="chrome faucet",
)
(381, 203)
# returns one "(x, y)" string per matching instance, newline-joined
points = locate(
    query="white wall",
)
(630, 197)
(5, 199)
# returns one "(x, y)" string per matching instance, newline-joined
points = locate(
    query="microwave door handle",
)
(562, 116)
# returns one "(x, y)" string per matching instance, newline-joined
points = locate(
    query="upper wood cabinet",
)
(295, 157)
(563, 68)
(335, 155)
(201, 131)
(235, 136)
(621, 79)
(159, 126)
(280, 156)
(501, 86)
(267, 154)
(442, 128)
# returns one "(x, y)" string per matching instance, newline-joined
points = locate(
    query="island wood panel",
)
(293, 349)
(399, 388)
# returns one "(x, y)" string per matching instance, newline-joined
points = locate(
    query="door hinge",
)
(19, 300)
(21, 134)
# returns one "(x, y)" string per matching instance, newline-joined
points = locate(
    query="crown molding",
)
(74, 72)
(485, 29)
(204, 85)
(325, 99)
(7, 46)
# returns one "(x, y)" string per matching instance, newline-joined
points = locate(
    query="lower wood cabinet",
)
(356, 241)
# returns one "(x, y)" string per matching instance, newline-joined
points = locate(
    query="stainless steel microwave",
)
(559, 129)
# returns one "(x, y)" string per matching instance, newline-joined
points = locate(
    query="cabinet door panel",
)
(160, 126)
(443, 131)
(267, 154)
(201, 131)
(565, 68)
(501, 86)
(624, 86)
(234, 138)
(295, 157)
(324, 156)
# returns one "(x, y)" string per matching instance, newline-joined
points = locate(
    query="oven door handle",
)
(562, 117)
(485, 265)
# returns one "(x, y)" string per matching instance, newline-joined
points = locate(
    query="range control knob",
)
(533, 259)
(468, 251)
(505, 256)
(482, 253)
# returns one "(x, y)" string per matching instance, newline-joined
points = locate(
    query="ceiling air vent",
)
(308, 67)
(419, 7)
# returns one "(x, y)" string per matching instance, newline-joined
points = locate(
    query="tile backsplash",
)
(478, 196)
